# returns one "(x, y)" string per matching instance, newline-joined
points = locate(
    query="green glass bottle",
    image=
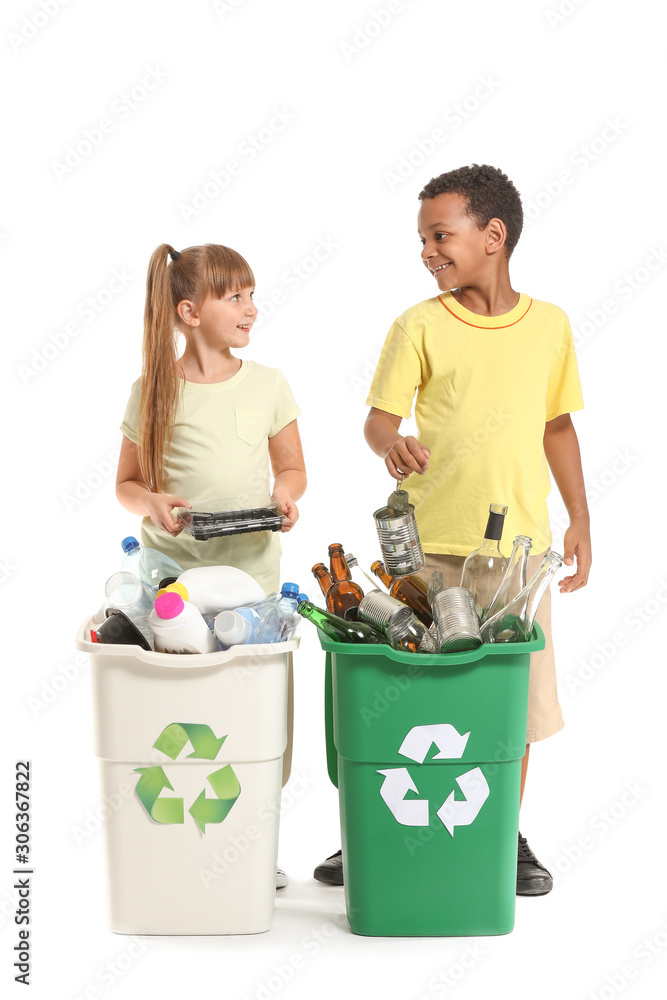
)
(339, 629)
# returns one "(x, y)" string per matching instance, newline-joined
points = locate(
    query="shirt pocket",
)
(250, 426)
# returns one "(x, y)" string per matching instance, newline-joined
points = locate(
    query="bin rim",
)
(487, 649)
(176, 661)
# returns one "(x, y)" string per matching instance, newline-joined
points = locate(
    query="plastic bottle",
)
(273, 613)
(293, 621)
(125, 592)
(147, 564)
(179, 627)
(235, 628)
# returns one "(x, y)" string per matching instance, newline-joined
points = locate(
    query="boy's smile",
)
(453, 245)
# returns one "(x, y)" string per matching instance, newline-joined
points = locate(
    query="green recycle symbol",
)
(205, 746)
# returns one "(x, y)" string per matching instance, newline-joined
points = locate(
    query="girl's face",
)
(227, 322)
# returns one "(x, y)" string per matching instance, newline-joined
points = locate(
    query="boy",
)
(496, 379)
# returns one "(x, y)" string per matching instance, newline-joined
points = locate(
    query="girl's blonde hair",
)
(194, 274)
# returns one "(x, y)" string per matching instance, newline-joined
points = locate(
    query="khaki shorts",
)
(544, 712)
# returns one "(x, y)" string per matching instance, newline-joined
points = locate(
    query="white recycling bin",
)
(190, 754)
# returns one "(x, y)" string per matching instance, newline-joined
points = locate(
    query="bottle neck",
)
(380, 571)
(339, 567)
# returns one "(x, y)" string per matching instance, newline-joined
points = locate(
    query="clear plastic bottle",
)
(148, 564)
(514, 622)
(271, 615)
(484, 568)
(235, 628)
(515, 577)
(125, 592)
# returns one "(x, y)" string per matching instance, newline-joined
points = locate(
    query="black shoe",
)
(532, 878)
(331, 870)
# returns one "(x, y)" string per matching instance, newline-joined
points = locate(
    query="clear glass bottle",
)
(410, 635)
(514, 622)
(353, 565)
(515, 577)
(484, 568)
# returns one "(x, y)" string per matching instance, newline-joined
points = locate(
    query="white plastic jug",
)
(178, 626)
(220, 588)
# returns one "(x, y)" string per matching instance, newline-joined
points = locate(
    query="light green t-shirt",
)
(220, 449)
(486, 386)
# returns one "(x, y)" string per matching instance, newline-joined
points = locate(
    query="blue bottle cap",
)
(290, 589)
(303, 597)
(129, 544)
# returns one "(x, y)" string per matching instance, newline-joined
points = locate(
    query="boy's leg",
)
(544, 713)
(544, 719)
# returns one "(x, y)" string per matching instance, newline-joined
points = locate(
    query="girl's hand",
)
(289, 508)
(159, 507)
(407, 455)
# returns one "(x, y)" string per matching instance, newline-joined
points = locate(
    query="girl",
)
(205, 426)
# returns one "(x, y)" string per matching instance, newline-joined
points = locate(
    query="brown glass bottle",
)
(411, 590)
(343, 593)
(321, 574)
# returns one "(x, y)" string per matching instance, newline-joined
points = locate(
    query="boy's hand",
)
(289, 508)
(159, 507)
(407, 455)
(577, 543)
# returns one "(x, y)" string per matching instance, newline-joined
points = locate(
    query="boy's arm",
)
(402, 455)
(561, 448)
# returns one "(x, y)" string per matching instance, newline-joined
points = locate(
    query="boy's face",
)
(453, 247)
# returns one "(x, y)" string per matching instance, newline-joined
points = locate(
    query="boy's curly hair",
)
(489, 193)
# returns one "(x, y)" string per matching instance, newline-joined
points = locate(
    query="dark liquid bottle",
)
(343, 593)
(411, 590)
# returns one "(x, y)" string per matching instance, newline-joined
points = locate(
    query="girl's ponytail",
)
(159, 381)
(194, 273)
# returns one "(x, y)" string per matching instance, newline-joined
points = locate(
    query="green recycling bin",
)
(426, 753)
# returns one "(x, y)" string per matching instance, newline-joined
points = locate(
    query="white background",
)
(517, 85)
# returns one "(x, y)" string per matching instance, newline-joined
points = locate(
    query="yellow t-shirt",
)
(486, 386)
(220, 449)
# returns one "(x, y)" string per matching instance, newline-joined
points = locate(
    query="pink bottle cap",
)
(169, 605)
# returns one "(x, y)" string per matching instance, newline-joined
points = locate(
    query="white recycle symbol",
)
(397, 781)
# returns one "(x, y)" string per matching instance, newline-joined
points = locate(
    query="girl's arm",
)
(562, 450)
(133, 493)
(289, 471)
